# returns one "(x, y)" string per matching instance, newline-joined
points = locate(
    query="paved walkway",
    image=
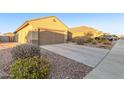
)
(86, 55)
(112, 67)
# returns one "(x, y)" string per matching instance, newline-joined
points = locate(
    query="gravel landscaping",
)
(65, 68)
(62, 68)
(5, 61)
(99, 45)
(5, 58)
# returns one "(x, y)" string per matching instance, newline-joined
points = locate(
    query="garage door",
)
(50, 37)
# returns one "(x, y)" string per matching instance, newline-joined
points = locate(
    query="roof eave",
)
(22, 26)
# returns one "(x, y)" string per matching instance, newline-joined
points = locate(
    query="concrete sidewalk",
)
(87, 55)
(112, 67)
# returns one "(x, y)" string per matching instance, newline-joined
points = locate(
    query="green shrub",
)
(25, 50)
(82, 40)
(106, 42)
(87, 39)
(100, 41)
(89, 34)
(94, 42)
(30, 68)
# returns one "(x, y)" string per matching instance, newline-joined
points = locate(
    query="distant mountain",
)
(80, 31)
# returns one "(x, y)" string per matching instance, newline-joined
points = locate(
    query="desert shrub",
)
(106, 42)
(75, 39)
(30, 68)
(80, 41)
(100, 40)
(88, 34)
(94, 42)
(25, 50)
(87, 39)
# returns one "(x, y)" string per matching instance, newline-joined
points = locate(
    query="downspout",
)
(38, 31)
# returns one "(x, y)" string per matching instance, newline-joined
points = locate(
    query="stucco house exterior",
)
(47, 30)
(11, 36)
(82, 30)
(7, 37)
(4, 38)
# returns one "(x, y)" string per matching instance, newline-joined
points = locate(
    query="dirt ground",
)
(7, 45)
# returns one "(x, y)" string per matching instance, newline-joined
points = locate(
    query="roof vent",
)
(54, 20)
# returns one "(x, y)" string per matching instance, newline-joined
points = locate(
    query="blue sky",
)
(106, 22)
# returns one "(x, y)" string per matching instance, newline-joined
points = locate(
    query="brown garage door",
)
(50, 37)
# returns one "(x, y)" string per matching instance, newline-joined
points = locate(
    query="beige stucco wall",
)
(81, 31)
(47, 37)
(31, 30)
(49, 23)
(23, 33)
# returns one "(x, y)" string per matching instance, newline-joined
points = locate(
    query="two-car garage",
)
(50, 37)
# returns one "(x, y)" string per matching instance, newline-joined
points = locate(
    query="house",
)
(11, 36)
(82, 30)
(41, 31)
(7, 37)
(4, 38)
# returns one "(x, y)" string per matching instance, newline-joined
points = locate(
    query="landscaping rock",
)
(65, 68)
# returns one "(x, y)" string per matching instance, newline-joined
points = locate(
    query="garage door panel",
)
(50, 37)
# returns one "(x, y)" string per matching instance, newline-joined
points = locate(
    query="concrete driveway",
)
(86, 55)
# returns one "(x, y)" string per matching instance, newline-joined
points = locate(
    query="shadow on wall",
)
(45, 37)
(69, 37)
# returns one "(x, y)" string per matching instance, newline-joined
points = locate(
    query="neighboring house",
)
(121, 36)
(7, 37)
(11, 36)
(4, 38)
(82, 30)
(47, 30)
